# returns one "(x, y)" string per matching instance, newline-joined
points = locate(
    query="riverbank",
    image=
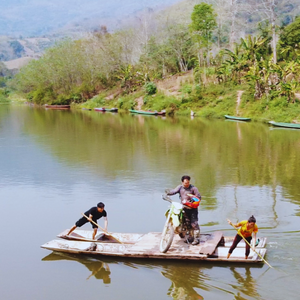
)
(179, 95)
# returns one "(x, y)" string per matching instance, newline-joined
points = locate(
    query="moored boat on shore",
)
(148, 112)
(285, 125)
(104, 109)
(162, 113)
(237, 118)
(143, 112)
(50, 106)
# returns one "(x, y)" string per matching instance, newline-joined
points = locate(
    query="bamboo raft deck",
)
(212, 247)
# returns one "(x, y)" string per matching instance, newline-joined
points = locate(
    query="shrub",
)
(151, 88)
(42, 96)
(3, 95)
(208, 112)
(120, 103)
(186, 89)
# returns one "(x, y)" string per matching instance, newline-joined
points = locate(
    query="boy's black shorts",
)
(83, 221)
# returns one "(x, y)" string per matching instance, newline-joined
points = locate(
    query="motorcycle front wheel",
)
(167, 236)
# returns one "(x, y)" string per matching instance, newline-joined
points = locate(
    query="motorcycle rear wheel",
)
(167, 236)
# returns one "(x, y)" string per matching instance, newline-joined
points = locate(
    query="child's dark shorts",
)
(83, 221)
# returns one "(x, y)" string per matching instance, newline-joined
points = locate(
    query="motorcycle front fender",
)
(175, 220)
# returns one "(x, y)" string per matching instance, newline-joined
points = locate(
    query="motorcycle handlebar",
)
(166, 198)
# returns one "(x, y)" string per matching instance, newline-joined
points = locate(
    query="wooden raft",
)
(86, 235)
(211, 243)
(212, 247)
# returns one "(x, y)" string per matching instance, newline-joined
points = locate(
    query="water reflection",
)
(60, 161)
(215, 152)
(184, 277)
(184, 281)
(188, 281)
(99, 269)
(245, 284)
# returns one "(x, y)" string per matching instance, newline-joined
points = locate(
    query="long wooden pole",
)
(101, 228)
(250, 245)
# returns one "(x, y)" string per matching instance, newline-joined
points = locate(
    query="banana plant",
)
(252, 46)
(289, 89)
(130, 78)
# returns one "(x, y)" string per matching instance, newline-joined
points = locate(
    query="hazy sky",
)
(36, 17)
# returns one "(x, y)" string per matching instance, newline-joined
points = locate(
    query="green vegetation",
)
(151, 88)
(4, 96)
(289, 46)
(179, 68)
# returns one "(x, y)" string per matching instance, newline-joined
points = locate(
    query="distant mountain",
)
(14, 48)
(248, 13)
(44, 17)
(28, 27)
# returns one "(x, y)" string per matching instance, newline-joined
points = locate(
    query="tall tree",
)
(202, 26)
(268, 7)
(234, 11)
(289, 43)
(268, 10)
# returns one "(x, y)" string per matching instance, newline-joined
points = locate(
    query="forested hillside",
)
(28, 27)
(126, 67)
(237, 18)
(50, 21)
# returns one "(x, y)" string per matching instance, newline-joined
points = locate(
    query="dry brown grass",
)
(171, 85)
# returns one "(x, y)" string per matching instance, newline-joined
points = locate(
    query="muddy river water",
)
(56, 164)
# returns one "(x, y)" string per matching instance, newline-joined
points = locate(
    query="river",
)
(56, 164)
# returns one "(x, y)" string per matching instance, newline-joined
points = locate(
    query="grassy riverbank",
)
(180, 97)
(213, 101)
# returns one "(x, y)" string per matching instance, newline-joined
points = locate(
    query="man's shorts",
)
(83, 221)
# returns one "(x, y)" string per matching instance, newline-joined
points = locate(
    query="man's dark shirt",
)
(95, 213)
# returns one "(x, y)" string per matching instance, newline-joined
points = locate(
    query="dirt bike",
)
(175, 223)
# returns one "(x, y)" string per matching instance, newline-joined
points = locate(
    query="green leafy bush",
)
(120, 103)
(151, 88)
(42, 96)
(187, 89)
(3, 95)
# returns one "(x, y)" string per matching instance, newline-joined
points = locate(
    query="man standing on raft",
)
(247, 229)
(186, 192)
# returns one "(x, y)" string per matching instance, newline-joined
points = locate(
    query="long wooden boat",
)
(104, 109)
(285, 125)
(237, 118)
(213, 247)
(143, 112)
(57, 106)
(162, 113)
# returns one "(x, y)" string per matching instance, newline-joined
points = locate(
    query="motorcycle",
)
(175, 223)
